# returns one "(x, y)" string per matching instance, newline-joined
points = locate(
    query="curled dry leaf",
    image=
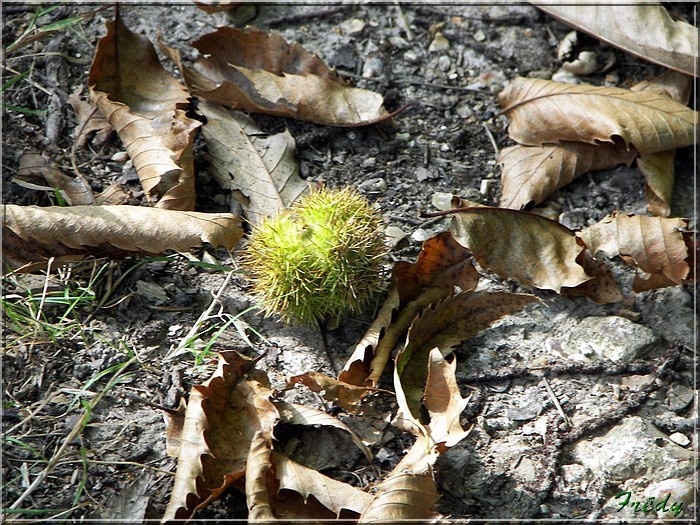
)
(409, 492)
(259, 72)
(334, 495)
(261, 169)
(229, 419)
(90, 120)
(34, 234)
(531, 173)
(142, 101)
(655, 245)
(346, 395)
(533, 250)
(602, 288)
(442, 264)
(444, 325)
(643, 30)
(259, 479)
(543, 111)
(659, 168)
(300, 415)
(75, 190)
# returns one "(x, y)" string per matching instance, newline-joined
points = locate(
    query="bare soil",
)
(442, 144)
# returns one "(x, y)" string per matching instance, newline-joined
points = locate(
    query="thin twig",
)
(493, 140)
(554, 399)
(34, 412)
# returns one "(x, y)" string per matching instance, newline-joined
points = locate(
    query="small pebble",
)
(370, 162)
(422, 174)
(411, 56)
(352, 27)
(372, 67)
(420, 235)
(439, 43)
(373, 186)
(444, 63)
(479, 36)
(679, 439)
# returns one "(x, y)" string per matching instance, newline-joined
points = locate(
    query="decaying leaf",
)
(260, 168)
(34, 234)
(332, 494)
(409, 492)
(602, 288)
(346, 395)
(75, 190)
(442, 265)
(225, 416)
(532, 173)
(659, 168)
(444, 325)
(259, 476)
(300, 415)
(533, 250)
(90, 120)
(645, 30)
(142, 101)
(259, 72)
(655, 245)
(544, 111)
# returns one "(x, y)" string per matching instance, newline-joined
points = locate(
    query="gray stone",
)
(632, 449)
(439, 43)
(604, 338)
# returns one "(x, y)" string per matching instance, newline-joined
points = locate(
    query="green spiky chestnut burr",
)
(318, 260)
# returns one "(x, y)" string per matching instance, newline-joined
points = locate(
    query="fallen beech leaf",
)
(90, 120)
(216, 6)
(74, 189)
(532, 173)
(655, 245)
(33, 234)
(300, 415)
(142, 101)
(444, 325)
(531, 249)
(332, 494)
(543, 111)
(228, 420)
(643, 30)
(261, 169)
(259, 72)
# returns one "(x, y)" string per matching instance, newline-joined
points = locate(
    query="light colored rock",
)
(394, 235)
(680, 439)
(632, 449)
(439, 43)
(604, 338)
(352, 27)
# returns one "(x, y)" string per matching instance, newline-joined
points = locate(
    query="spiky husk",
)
(319, 260)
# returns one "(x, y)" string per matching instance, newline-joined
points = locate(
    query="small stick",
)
(490, 136)
(554, 399)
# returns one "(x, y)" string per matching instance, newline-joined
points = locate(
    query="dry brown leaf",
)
(659, 168)
(655, 245)
(544, 111)
(332, 494)
(34, 234)
(301, 415)
(409, 492)
(75, 190)
(659, 171)
(215, 6)
(444, 325)
(531, 249)
(532, 173)
(259, 72)
(259, 479)
(602, 288)
(261, 169)
(643, 30)
(90, 120)
(142, 101)
(225, 416)
(346, 395)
